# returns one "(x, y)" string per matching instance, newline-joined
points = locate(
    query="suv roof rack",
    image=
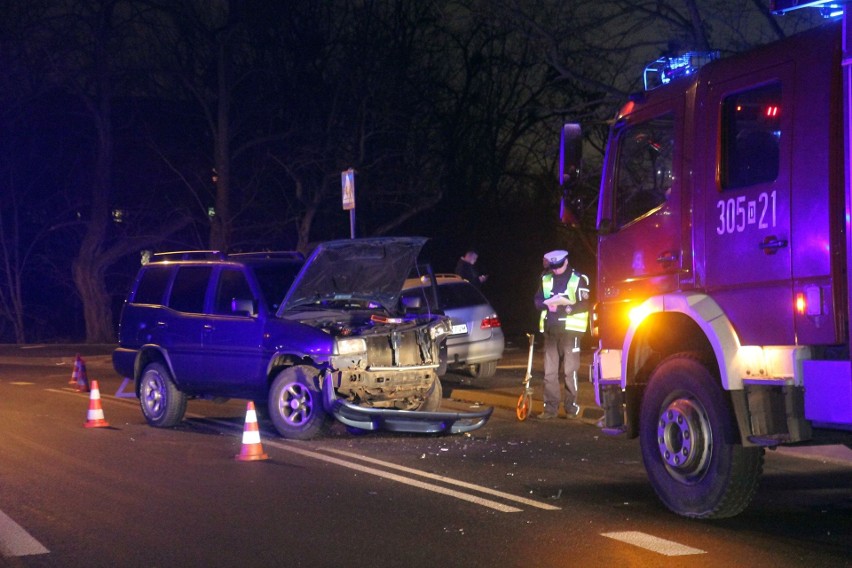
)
(188, 255)
(281, 254)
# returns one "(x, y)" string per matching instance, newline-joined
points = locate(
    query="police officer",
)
(563, 299)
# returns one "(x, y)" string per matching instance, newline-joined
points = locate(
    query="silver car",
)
(476, 341)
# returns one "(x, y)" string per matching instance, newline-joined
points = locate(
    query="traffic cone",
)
(82, 376)
(95, 416)
(251, 450)
(76, 372)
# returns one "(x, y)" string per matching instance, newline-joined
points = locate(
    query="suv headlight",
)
(351, 346)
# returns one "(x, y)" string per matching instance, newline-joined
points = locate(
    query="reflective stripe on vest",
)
(573, 322)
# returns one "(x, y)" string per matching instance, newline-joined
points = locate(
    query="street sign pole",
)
(347, 182)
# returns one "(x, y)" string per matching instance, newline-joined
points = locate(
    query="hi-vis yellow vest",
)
(574, 321)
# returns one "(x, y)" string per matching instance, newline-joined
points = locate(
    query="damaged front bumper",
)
(393, 420)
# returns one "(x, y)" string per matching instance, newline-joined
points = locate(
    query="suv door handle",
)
(771, 244)
(161, 325)
(209, 327)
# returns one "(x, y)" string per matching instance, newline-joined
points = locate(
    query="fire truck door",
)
(747, 263)
(639, 219)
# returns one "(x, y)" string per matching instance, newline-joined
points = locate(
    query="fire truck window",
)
(644, 170)
(750, 137)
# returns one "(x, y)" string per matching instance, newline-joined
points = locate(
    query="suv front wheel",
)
(162, 403)
(295, 403)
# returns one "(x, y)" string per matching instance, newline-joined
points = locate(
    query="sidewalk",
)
(504, 390)
(58, 354)
(503, 393)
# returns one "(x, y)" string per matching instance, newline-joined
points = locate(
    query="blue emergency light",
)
(666, 69)
(828, 8)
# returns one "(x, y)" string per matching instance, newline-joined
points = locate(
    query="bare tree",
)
(22, 165)
(13, 261)
(597, 50)
(89, 47)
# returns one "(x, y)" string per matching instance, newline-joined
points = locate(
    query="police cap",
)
(555, 258)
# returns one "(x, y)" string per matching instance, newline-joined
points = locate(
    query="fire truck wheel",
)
(690, 444)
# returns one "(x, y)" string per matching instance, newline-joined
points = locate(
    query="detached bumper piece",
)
(412, 421)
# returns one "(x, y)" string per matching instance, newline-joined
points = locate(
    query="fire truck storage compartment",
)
(828, 391)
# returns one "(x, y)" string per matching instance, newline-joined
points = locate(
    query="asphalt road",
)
(553, 493)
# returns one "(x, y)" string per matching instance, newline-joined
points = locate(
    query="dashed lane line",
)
(653, 543)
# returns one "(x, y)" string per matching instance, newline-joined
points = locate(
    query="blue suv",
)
(311, 339)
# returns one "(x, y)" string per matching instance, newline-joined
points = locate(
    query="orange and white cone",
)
(252, 450)
(82, 376)
(95, 417)
(75, 374)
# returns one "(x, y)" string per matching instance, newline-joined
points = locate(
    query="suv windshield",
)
(275, 279)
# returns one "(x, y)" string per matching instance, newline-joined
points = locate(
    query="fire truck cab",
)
(723, 286)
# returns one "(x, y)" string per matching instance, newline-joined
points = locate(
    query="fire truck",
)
(723, 280)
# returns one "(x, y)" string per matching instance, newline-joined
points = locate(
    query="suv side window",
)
(189, 289)
(232, 286)
(644, 170)
(152, 285)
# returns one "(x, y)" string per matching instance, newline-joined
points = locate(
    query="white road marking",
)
(448, 480)
(653, 543)
(399, 478)
(392, 476)
(15, 541)
(380, 473)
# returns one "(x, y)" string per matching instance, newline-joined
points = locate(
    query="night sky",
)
(165, 125)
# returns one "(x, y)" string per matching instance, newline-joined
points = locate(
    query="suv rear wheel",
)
(162, 403)
(295, 404)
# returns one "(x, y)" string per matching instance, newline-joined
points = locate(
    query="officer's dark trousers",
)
(565, 346)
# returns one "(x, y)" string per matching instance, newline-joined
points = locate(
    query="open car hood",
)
(355, 269)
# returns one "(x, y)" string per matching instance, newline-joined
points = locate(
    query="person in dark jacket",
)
(466, 269)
